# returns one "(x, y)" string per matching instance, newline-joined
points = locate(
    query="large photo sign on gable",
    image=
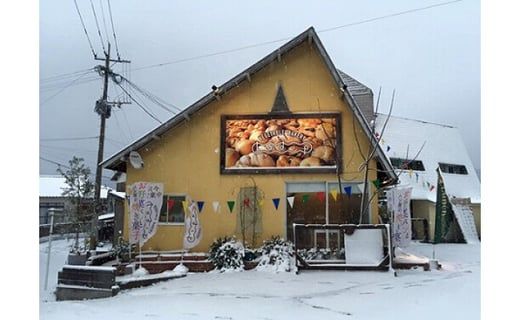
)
(274, 143)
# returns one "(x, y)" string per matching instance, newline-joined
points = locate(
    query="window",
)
(453, 168)
(172, 210)
(406, 164)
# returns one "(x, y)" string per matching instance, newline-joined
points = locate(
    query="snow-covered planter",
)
(227, 254)
(277, 256)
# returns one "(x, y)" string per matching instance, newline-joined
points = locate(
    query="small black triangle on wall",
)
(280, 104)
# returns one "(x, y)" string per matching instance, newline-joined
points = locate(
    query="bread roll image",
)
(310, 162)
(287, 161)
(244, 146)
(310, 123)
(325, 131)
(325, 153)
(255, 134)
(255, 160)
(232, 157)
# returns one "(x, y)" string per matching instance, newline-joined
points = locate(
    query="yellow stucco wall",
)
(186, 159)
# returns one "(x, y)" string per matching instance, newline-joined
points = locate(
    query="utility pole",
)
(103, 108)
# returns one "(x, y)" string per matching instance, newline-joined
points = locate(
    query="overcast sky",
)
(431, 58)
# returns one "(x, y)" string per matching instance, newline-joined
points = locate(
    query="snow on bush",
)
(227, 254)
(277, 256)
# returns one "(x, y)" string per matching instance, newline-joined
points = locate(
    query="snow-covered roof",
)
(118, 194)
(403, 139)
(53, 185)
(105, 216)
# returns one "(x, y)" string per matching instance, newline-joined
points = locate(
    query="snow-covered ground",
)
(450, 293)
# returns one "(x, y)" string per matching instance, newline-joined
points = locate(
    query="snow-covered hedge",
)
(277, 256)
(227, 254)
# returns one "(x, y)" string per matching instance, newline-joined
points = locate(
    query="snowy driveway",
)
(451, 293)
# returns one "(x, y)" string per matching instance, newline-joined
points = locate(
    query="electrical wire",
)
(70, 139)
(85, 29)
(141, 106)
(113, 30)
(103, 16)
(97, 26)
(288, 38)
(64, 88)
(59, 77)
(60, 85)
(157, 100)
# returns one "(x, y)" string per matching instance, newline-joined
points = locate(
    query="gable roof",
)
(118, 160)
(403, 139)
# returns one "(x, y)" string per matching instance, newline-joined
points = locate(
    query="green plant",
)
(227, 254)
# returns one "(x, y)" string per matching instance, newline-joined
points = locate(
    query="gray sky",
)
(431, 58)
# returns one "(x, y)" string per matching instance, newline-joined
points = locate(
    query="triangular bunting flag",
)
(261, 203)
(170, 204)
(376, 183)
(246, 202)
(432, 187)
(334, 193)
(320, 196)
(276, 202)
(348, 190)
(185, 206)
(410, 172)
(291, 201)
(416, 177)
(231, 204)
(200, 204)
(305, 197)
(387, 148)
(216, 206)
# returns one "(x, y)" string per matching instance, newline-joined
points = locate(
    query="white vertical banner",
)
(398, 204)
(192, 227)
(145, 207)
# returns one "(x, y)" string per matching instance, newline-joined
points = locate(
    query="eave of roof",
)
(118, 160)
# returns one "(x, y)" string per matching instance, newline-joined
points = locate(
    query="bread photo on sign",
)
(280, 143)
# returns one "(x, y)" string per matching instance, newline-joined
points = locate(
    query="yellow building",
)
(264, 150)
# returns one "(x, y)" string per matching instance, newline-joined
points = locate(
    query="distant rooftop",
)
(403, 139)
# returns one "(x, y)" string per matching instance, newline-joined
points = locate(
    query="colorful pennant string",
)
(348, 190)
(305, 198)
(320, 196)
(276, 202)
(231, 205)
(216, 206)
(200, 204)
(291, 201)
(334, 193)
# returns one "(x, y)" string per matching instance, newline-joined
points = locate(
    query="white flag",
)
(291, 201)
(216, 206)
(192, 227)
(145, 207)
(398, 203)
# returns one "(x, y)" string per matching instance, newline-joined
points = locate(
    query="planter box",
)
(77, 259)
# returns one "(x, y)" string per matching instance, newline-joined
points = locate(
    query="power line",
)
(60, 85)
(388, 16)
(64, 165)
(103, 16)
(59, 77)
(63, 89)
(85, 29)
(97, 26)
(141, 106)
(113, 30)
(288, 38)
(160, 102)
(70, 139)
